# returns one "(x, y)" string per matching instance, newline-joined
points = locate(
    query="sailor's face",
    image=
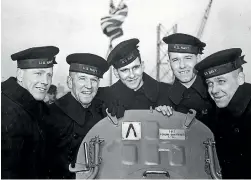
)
(182, 65)
(37, 81)
(222, 88)
(131, 75)
(84, 87)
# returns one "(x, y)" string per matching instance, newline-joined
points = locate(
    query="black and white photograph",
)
(125, 89)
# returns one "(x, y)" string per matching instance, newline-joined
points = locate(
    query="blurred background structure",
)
(163, 70)
(75, 26)
(51, 94)
(112, 26)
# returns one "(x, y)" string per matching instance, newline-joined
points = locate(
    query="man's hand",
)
(165, 110)
(116, 108)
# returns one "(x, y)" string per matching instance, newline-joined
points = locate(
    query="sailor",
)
(188, 90)
(135, 89)
(225, 79)
(74, 114)
(23, 110)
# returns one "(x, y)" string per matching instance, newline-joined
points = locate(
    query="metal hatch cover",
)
(146, 144)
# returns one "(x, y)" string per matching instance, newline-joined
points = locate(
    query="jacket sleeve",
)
(12, 145)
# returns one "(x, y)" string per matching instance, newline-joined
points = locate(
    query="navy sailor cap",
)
(36, 57)
(87, 63)
(221, 62)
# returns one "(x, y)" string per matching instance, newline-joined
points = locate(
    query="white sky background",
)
(74, 26)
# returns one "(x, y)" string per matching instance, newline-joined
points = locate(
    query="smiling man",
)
(135, 89)
(188, 90)
(73, 115)
(22, 111)
(224, 76)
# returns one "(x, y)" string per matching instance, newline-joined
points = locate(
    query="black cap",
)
(184, 43)
(87, 63)
(221, 62)
(36, 57)
(124, 53)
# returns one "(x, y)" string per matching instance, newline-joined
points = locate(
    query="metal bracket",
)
(89, 164)
(151, 109)
(79, 167)
(164, 173)
(189, 118)
(114, 119)
(210, 147)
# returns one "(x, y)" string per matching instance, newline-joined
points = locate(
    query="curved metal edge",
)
(211, 153)
(114, 119)
(166, 173)
(190, 117)
(96, 160)
(94, 169)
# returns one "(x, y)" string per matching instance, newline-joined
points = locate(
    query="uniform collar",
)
(150, 88)
(200, 86)
(177, 89)
(240, 100)
(22, 97)
(72, 108)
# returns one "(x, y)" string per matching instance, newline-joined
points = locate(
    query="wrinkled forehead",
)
(136, 62)
(229, 75)
(81, 74)
(173, 55)
(42, 70)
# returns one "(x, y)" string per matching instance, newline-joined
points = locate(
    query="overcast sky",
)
(74, 26)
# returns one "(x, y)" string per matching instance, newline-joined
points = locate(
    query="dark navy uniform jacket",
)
(66, 127)
(22, 136)
(232, 130)
(195, 97)
(147, 96)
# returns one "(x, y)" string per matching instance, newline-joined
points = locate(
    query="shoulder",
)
(116, 85)
(108, 92)
(54, 109)
(102, 92)
(55, 116)
(56, 122)
(249, 108)
(97, 102)
(11, 109)
(150, 81)
(247, 94)
(247, 86)
(15, 120)
(7, 102)
(165, 85)
(164, 94)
